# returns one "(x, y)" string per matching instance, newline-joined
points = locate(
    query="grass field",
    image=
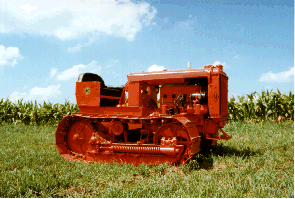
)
(257, 162)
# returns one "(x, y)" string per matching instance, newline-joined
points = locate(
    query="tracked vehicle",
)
(169, 116)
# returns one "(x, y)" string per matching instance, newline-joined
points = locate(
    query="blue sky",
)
(44, 45)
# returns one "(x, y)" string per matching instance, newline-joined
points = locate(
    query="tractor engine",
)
(169, 116)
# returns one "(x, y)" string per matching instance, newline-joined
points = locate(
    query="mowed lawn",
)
(257, 162)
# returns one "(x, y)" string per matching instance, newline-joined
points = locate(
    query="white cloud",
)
(52, 90)
(72, 19)
(77, 69)
(219, 63)
(187, 24)
(16, 96)
(285, 76)
(112, 63)
(78, 47)
(43, 93)
(112, 74)
(155, 68)
(115, 74)
(53, 71)
(74, 49)
(267, 87)
(9, 56)
(27, 8)
(166, 19)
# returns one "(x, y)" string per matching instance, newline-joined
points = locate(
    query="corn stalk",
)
(267, 105)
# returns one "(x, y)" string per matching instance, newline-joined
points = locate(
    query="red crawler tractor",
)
(191, 110)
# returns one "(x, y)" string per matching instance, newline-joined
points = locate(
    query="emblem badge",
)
(87, 90)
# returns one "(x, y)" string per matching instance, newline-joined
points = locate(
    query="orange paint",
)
(191, 108)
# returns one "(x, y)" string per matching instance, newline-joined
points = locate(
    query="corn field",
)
(33, 113)
(268, 105)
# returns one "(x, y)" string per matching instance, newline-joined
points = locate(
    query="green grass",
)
(257, 162)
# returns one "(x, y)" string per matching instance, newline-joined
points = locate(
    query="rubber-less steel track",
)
(80, 137)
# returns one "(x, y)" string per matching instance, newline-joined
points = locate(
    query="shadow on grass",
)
(204, 159)
(221, 150)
